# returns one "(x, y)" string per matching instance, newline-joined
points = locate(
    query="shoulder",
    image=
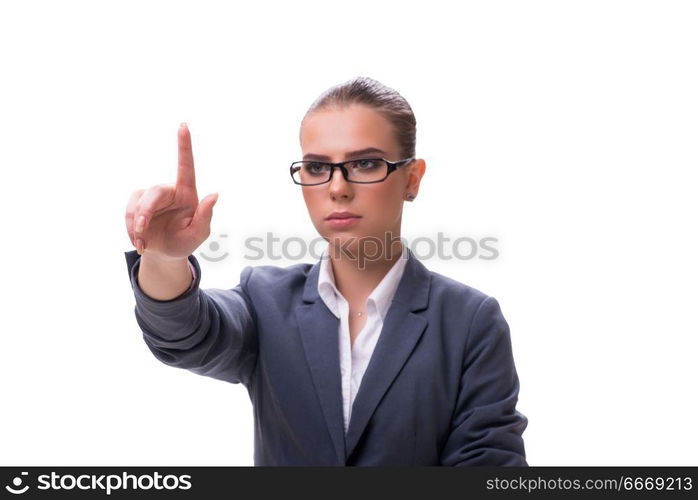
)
(470, 314)
(271, 277)
(452, 291)
(454, 299)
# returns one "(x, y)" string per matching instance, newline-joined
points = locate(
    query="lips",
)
(342, 215)
(342, 220)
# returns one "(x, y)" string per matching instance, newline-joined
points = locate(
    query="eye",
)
(315, 168)
(365, 164)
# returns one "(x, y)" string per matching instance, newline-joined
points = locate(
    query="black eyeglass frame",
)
(392, 166)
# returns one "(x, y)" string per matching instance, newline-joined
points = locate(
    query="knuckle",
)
(143, 210)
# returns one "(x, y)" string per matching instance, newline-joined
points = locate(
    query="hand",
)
(166, 221)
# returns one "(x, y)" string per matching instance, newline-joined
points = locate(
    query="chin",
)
(344, 239)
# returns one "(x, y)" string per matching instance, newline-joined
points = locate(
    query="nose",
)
(338, 186)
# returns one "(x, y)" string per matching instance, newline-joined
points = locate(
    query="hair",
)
(386, 101)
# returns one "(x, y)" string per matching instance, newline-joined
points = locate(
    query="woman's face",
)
(339, 134)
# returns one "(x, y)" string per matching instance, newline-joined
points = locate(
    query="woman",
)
(363, 358)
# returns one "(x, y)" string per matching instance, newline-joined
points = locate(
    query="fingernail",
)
(183, 124)
(139, 246)
(139, 224)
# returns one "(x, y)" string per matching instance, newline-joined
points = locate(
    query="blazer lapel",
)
(401, 330)
(319, 330)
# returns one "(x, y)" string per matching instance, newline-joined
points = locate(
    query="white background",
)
(567, 130)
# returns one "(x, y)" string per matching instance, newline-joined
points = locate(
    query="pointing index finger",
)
(185, 169)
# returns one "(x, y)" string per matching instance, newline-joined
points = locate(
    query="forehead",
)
(335, 131)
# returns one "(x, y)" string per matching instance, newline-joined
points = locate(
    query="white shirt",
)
(353, 360)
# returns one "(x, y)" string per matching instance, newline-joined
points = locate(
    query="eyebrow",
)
(358, 152)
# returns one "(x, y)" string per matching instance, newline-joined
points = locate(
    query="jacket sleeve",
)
(486, 428)
(209, 332)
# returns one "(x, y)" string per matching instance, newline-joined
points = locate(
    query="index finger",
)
(185, 167)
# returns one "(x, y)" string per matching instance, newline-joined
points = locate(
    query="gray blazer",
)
(441, 387)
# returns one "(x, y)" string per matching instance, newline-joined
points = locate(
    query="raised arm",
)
(166, 223)
(209, 332)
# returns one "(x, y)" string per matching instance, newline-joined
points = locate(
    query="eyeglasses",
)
(361, 171)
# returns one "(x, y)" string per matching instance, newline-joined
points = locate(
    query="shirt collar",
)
(325, 286)
(381, 296)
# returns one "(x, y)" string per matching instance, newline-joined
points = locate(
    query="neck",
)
(356, 278)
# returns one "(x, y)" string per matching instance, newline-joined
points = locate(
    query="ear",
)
(415, 173)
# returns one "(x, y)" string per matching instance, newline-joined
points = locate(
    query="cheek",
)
(385, 206)
(312, 202)
(387, 197)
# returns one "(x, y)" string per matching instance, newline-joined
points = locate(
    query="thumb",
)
(204, 212)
